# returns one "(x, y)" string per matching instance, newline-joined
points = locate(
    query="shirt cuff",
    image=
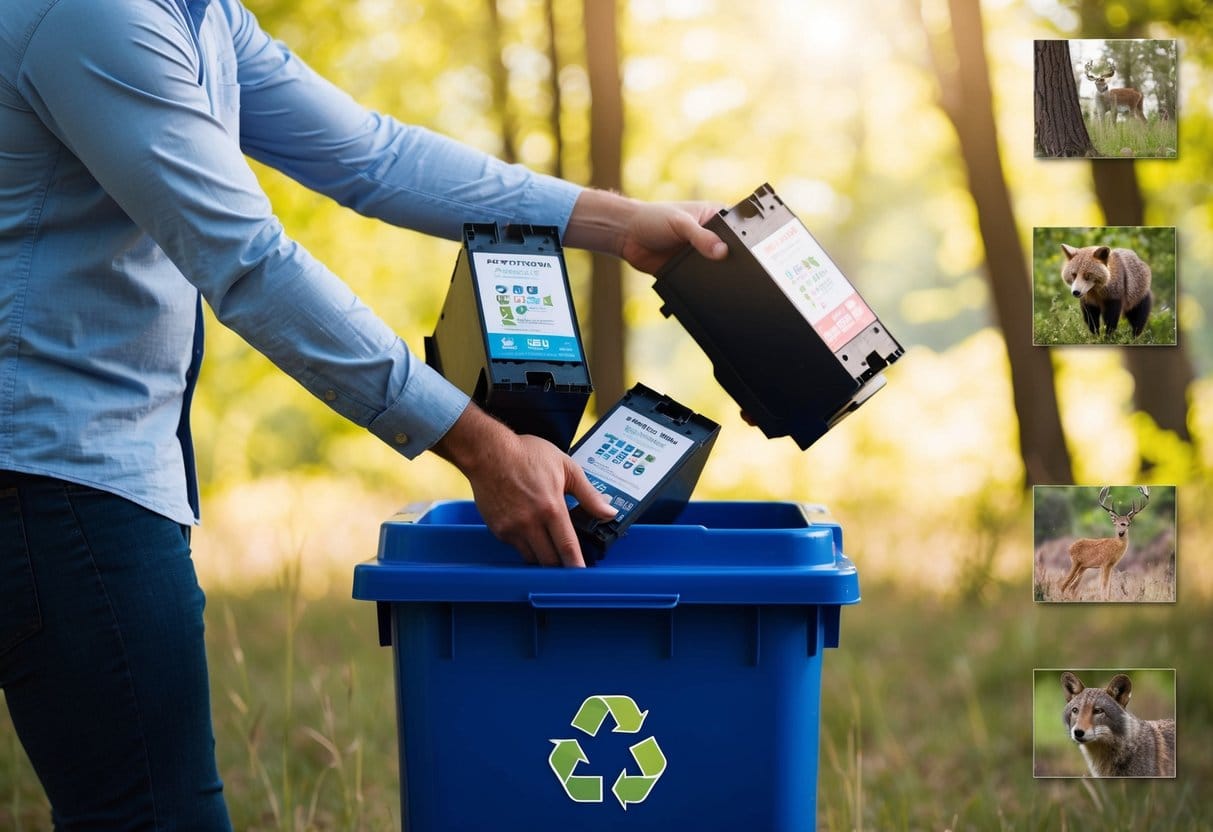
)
(548, 201)
(425, 410)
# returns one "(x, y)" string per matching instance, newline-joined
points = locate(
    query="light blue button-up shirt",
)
(124, 192)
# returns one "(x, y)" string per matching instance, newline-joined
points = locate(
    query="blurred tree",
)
(606, 162)
(1060, 130)
(500, 75)
(966, 99)
(1164, 65)
(1124, 56)
(1051, 512)
(1161, 378)
(554, 112)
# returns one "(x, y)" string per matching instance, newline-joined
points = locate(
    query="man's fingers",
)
(704, 240)
(565, 542)
(592, 500)
(709, 245)
(554, 541)
(545, 535)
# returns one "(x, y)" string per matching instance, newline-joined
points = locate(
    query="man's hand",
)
(519, 483)
(645, 234)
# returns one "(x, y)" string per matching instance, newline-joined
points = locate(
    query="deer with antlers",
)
(1120, 100)
(1104, 552)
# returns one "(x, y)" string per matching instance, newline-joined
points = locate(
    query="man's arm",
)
(298, 122)
(645, 234)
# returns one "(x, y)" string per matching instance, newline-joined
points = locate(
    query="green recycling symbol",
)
(567, 754)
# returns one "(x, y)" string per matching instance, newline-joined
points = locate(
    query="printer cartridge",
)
(789, 337)
(508, 334)
(646, 454)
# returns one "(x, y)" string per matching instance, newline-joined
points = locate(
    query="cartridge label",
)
(527, 313)
(628, 455)
(814, 284)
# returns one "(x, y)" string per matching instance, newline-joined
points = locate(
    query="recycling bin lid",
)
(713, 553)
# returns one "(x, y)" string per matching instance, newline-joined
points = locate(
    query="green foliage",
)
(1170, 459)
(1057, 317)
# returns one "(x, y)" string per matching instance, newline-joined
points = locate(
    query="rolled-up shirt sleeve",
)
(120, 85)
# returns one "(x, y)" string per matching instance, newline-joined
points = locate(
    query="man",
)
(125, 199)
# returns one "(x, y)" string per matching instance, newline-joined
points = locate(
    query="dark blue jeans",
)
(102, 660)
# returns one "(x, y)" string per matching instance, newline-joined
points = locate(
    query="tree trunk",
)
(501, 84)
(1124, 54)
(966, 99)
(606, 162)
(1060, 130)
(549, 9)
(1161, 375)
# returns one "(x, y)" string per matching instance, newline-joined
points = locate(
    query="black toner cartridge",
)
(508, 335)
(646, 454)
(789, 337)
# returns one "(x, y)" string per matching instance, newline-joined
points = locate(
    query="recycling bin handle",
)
(601, 601)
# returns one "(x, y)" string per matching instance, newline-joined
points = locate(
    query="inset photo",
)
(1104, 543)
(1084, 726)
(1113, 99)
(1104, 285)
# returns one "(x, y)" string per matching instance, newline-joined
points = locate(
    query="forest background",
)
(902, 135)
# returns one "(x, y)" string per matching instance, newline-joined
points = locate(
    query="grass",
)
(304, 712)
(1156, 585)
(927, 715)
(1128, 138)
(1058, 322)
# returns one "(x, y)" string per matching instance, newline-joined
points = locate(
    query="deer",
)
(1122, 99)
(1103, 552)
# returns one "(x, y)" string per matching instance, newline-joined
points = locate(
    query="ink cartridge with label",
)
(646, 454)
(789, 337)
(508, 334)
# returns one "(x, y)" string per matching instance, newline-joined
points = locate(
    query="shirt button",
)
(330, 395)
(402, 438)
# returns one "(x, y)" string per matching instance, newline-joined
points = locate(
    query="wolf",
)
(1113, 741)
(1108, 282)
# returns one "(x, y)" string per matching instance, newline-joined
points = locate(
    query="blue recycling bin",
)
(676, 685)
